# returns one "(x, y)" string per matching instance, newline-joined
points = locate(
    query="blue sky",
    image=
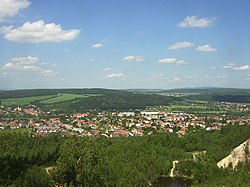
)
(124, 44)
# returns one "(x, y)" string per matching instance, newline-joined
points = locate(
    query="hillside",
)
(221, 97)
(46, 92)
(78, 100)
(208, 90)
(110, 102)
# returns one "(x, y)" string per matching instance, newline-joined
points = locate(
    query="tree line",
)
(131, 161)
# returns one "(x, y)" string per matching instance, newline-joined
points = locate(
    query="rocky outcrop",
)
(238, 155)
(197, 155)
(172, 172)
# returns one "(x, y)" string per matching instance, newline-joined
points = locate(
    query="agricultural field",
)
(23, 100)
(44, 99)
(65, 97)
(196, 107)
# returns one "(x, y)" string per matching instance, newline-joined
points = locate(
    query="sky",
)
(121, 44)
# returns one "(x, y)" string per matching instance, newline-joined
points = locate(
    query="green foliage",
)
(110, 102)
(221, 97)
(51, 92)
(19, 152)
(134, 161)
(80, 163)
(23, 100)
(78, 100)
(36, 176)
(64, 97)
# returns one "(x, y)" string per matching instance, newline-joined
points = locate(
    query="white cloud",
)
(48, 72)
(177, 79)
(132, 58)
(233, 67)
(213, 67)
(104, 40)
(99, 44)
(180, 62)
(248, 78)
(193, 21)
(229, 66)
(216, 78)
(38, 31)
(222, 77)
(116, 75)
(96, 46)
(171, 60)
(167, 60)
(10, 8)
(245, 67)
(26, 64)
(206, 48)
(106, 69)
(21, 63)
(180, 45)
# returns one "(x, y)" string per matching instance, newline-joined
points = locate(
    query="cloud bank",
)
(180, 45)
(26, 64)
(10, 8)
(38, 32)
(193, 21)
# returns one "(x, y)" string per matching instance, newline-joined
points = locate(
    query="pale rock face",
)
(238, 155)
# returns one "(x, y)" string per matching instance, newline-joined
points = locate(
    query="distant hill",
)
(237, 97)
(102, 99)
(137, 98)
(145, 90)
(207, 90)
(110, 102)
(205, 93)
(199, 90)
(43, 92)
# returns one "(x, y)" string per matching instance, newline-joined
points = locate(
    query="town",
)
(115, 124)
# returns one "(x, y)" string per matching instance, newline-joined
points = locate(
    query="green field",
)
(44, 99)
(65, 97)
(198, 109)
(23, 100)
(187, 107)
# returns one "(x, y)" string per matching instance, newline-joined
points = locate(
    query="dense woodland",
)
(42, 92)
(133, 161)
(110, 102)
(221, 97)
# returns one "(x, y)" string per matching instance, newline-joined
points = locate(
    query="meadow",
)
(24, 100)
(48, 99)
(65, 97)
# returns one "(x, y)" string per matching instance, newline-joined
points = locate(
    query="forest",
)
(133, 161)
(5, 94)
(221, 97)
(111, 102)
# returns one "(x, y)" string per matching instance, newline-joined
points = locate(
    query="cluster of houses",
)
(111, 124)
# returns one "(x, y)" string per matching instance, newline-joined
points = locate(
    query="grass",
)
(23, 100)
(65, 97)
(197, 109)
(48, 99)
(188, 107)
(197, 101)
